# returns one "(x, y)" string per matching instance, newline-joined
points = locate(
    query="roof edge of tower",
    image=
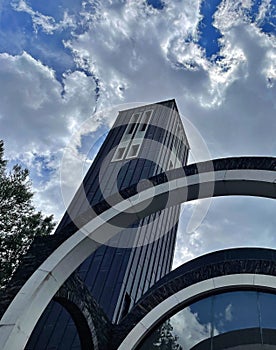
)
(152, 104)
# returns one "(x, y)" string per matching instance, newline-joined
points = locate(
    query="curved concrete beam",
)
(232, 176)
(233, 261)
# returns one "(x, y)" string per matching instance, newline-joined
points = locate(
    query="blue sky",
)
(46, 44)
(62, 62)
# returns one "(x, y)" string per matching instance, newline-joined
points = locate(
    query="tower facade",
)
(143, 142)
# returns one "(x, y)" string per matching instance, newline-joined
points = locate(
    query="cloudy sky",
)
(62, 62)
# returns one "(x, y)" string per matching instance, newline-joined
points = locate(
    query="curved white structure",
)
(187, 295)
(23, 313)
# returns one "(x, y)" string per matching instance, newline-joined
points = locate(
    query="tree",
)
(162, 338)
(19, 220)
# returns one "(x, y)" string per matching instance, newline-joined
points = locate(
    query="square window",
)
(133, 151)
(119, 153)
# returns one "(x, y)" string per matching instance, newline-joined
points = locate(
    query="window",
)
(130, 128)
(175, 142)
(147, 116)
(133, 151)
(135, 117)
(126, 305)
(134, 133)
(143, 127)
(144, 121)
(119, 154)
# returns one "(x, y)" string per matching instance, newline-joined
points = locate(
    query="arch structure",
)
(217, 272)
(254, 176)
(91, 322)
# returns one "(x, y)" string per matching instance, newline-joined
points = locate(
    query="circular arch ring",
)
(191, 293)
(243, 178)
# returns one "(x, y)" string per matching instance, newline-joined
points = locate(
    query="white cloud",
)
(264, 8)
(228, 312)
(151, 54)
(34, 112)
(187, 327)
(142, 44)
(230, 222)
(46, 23)
(231, 13)
(36, 119)
(138, 53)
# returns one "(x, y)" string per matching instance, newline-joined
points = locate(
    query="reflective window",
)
(193, 324)
(224, 320)
(268, 310)
(235, 311)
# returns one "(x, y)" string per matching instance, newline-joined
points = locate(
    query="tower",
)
(143, 142)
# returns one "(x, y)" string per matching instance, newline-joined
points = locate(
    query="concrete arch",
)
(91, 322)
(229, 176)
(236, 263)
(210, 286)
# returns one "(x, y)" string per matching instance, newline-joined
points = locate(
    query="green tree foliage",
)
(19, 221)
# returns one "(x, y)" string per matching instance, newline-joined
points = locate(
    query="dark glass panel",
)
(48, 328)
(68, 337)
(143, 127)
(235, 310)
(268, 310)
(59, 330)
(131, 128)
(39, 327)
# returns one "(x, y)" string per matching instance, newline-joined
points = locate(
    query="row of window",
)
(132, 139)
(177, 143)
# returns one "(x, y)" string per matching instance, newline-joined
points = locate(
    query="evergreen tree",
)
(19, 221)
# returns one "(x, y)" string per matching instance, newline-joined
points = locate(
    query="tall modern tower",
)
(143, 142)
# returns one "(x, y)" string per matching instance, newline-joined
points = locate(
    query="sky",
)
(67, 65)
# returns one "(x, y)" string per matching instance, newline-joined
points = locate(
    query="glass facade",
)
(50, 333)
(226, 320)
(117, 276)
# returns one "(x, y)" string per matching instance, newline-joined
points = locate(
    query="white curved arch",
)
(23, 313)
(188, 294)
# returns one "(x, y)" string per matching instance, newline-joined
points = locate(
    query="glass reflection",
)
(192, 324)
(236, 310)
(202, 324)
(268, 310)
